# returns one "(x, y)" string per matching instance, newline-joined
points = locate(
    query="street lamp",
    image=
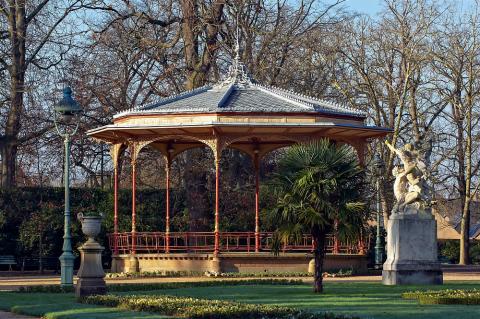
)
(379, 166)
(66, 118)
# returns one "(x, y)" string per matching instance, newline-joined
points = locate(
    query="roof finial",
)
(237, 72)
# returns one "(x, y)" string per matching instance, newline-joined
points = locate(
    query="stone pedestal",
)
(132, 265)
(90, 275)
(412, 251)
(215, 265)
(311, 266)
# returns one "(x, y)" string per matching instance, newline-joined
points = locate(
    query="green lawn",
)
(62, 306)
(368, 300)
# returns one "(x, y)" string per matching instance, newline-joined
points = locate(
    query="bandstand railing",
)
(198, 242)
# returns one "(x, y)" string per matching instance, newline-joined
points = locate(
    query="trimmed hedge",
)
(445, 297)
(165, 285)
(186, 307)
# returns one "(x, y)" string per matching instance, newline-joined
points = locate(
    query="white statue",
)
(410, 188)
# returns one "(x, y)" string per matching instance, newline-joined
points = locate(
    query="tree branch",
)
(36, 11)
(139, 15)
(35, 135)
(49, 33)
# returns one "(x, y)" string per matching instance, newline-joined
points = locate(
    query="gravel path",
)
(14, 282)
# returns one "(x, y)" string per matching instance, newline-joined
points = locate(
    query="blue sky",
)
(370, 7)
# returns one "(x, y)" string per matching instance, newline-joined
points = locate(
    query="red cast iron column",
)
(115, 208)
(134, 177)
(167, 191)
(217, 206)
(257, 198)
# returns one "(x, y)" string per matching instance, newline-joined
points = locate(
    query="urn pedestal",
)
(90, 275)
(412, 251)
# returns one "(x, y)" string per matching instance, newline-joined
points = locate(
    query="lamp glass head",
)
(67, 107)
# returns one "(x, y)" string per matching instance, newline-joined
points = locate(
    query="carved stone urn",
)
(90, 275)
(91, 225)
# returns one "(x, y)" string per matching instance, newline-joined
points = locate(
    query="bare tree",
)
(457, 66)
(26, 31)
(383, 67)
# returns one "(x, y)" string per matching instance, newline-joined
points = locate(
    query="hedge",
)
(187, 307)
(18, 206)
(165, 285)
(445, 297)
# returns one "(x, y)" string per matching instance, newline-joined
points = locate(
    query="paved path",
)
(9, 315)
(451, 273)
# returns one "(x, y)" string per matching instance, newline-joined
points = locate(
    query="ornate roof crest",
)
(237, 71)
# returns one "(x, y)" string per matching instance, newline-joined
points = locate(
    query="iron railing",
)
(198, 242)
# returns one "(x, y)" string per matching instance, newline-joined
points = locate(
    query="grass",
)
(62, 306)
(368, 300)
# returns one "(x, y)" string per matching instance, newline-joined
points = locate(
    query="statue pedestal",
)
(412, 251)
(91, 275)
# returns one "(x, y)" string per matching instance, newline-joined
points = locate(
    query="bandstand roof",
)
(238, 97)
(240, 107)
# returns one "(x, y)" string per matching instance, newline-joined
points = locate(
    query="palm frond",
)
(316, 184)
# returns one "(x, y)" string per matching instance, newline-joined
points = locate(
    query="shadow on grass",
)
(63, 306)
(367, 300)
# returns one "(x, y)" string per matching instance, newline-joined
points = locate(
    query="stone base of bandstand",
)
(233, 262)
(412, 251)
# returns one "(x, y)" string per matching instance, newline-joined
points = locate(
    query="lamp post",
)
(66, 119)
(378, 163)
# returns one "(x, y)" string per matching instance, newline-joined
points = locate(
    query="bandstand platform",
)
(237, 113)
(193, 251)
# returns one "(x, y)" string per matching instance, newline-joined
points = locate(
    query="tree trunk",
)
(9, 155)
(190, 41)
(198, 63)
(319, 256)
(17, 35)
(462, 188)
(465, 236)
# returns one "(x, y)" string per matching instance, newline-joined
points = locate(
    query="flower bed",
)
(167, 285)
(186, 307)
(153, 274)
(175, 274)
(445, 297)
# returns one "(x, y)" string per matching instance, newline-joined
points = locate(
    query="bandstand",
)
(234, 113)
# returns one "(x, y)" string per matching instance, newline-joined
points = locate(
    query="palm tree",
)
(318, 186)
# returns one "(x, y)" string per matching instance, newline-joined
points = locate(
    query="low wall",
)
(233, 262)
